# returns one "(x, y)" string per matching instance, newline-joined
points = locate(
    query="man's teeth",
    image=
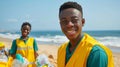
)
(70, 31)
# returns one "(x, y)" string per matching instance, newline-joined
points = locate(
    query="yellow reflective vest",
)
(80, 55)
(26, 50)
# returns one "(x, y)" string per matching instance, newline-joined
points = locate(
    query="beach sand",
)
(51, 51)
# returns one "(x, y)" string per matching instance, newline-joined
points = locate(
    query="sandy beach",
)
(51, 51)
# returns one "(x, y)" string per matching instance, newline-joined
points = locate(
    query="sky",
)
(43, 14)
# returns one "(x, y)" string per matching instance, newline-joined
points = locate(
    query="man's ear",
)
(83, 22)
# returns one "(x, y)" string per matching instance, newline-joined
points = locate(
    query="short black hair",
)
(71, 4)
(26, 23)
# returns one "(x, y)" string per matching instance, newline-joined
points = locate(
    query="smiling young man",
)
(82, 50)
(25, 45)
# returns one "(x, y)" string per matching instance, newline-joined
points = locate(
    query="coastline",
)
(51, 51)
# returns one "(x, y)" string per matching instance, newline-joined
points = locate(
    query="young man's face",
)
(25, 30)
(71, 22)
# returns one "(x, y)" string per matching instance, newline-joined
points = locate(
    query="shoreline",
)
(51, 51)
(115, 49)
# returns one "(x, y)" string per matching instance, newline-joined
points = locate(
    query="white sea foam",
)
(59, 39)
(109, 40)
(9, 35)
(52, 39)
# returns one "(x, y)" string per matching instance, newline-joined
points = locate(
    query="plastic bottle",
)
(20, 61)
(42, 61)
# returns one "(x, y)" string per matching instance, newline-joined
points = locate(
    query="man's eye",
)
(74, 20)
(63, 22)
(23, 29)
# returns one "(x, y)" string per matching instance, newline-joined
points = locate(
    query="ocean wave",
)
(109, 40)
(9, 35)
(59, 39)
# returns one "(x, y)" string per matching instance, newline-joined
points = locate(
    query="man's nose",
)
(70, 24)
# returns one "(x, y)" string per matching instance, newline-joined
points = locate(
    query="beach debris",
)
(20, 61)
(3, 55)
(3, 58)
(42, 61)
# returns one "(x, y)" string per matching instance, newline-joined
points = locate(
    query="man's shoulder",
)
(89, 39)
(63, 46)
(98, 52)
(31, 37)
(14, 41)
(97, 57)
(97, 48)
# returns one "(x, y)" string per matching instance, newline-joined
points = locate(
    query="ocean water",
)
(109, 38)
